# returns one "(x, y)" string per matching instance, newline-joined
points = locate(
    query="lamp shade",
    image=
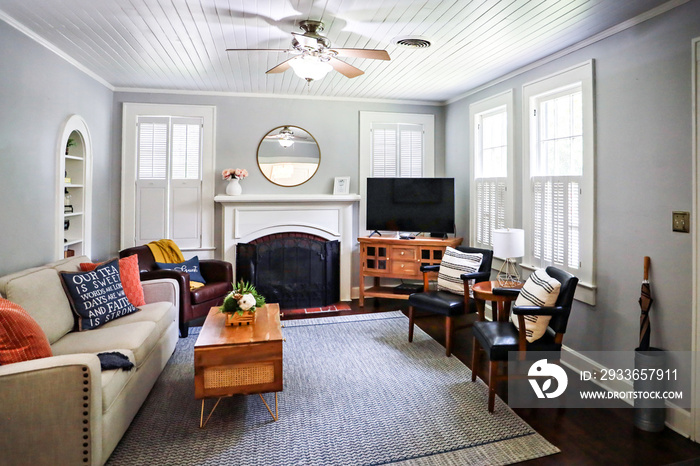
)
(509, 243)
(310, 68)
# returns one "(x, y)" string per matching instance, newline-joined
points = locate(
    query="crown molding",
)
(48, 45)
(277, 96)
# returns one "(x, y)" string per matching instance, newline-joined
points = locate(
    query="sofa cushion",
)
(41, 294)
(162, 314)
(138, 337)
(21, 338)
(130, 276)
(70, 264)
(97, 297)
(114, 381)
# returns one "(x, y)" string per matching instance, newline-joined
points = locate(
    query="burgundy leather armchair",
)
(194, 304)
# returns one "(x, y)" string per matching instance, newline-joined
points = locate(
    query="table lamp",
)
(508, 243)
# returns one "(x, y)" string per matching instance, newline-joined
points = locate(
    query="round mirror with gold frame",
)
(288, 156)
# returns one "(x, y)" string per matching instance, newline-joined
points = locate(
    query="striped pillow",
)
(21, 338)
(455, 263)
(539, 290)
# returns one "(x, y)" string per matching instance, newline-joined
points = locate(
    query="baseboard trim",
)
(677, 418)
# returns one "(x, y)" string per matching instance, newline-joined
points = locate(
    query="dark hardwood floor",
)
(584, 436)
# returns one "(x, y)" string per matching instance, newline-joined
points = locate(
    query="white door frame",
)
(695, 376)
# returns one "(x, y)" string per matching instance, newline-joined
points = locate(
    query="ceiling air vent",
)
(412, 42)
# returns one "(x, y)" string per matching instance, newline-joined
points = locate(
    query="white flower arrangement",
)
(244, 297)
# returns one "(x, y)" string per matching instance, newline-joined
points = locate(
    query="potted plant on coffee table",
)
(240, 304)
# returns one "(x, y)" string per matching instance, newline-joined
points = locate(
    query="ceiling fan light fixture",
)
(286, 137)
(310, 67)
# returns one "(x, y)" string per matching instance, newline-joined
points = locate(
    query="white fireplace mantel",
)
(251, 216)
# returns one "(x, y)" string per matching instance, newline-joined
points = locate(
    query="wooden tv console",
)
(382, 257)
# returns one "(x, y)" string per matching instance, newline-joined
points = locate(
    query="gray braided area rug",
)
(355, 393)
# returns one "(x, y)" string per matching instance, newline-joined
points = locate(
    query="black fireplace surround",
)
(296, 270)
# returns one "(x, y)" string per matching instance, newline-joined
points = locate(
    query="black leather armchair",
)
(499, 338)
(444, 302)
(194, 304)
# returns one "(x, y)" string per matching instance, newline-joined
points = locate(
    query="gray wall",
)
(38, 91)
(643, 173)
(243, 121)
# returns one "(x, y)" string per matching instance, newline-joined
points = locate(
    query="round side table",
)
(500, 303)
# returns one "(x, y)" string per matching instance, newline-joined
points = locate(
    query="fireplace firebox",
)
(296, 270)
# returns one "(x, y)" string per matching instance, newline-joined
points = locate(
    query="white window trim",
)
(131, 112)
(366, 121)
(583, 73)
(504, 99)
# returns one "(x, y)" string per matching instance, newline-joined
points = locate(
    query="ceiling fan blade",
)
(281, 68)
(345, 69)
(373, 54)
(257, 50)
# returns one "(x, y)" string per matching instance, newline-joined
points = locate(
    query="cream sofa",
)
(64, 409)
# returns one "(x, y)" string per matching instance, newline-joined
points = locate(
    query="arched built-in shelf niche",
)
(74, 189)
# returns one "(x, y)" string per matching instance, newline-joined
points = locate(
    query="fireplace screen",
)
(296, 270)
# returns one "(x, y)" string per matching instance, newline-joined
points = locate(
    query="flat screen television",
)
(411, 205)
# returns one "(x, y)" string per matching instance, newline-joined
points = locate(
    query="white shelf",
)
(77, 167)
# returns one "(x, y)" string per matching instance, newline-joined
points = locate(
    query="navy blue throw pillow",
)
(191, 267)
(97, 297)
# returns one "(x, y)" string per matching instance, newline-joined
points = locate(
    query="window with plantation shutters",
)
(491, 172)
(491, 153)
(558, 174)
(394, 145)
(397, 150)
(169, 180)
(555, 176)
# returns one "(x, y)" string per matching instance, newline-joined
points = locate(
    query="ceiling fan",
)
(314, 57)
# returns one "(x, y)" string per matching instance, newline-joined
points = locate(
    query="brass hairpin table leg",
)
(275, 416)
(202, 421)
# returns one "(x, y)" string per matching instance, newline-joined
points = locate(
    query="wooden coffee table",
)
(236, 360)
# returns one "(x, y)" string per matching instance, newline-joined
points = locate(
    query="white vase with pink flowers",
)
(234, 188)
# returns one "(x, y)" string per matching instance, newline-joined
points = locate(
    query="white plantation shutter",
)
(169, 180)
(186, 149)
(556, 217)
(397, 150)
(490, 207)
(384, 151)
(411, 151)
(152, 149)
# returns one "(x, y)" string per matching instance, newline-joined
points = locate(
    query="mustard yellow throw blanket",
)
(166, 251)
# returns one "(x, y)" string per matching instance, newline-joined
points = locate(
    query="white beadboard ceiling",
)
(181, 44)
